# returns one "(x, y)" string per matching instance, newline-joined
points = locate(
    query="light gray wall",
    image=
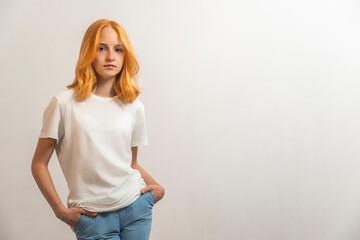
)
(252, 110)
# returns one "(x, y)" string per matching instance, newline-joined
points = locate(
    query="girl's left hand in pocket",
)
(157, 190)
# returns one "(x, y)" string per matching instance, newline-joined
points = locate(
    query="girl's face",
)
(109, 59)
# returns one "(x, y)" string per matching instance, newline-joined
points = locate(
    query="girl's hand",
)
(71, 215)
(157, 190)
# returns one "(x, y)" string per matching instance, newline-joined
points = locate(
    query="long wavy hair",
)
(126, 85)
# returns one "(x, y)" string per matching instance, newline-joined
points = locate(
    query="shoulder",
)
(64, 95)
(139, 106)
(138, 103)
(136, 107)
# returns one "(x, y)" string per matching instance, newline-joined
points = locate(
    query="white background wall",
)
(252, 110)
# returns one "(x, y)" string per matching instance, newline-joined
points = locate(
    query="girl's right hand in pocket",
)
(71, 215)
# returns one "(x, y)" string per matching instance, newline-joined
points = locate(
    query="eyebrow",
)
(117, 45)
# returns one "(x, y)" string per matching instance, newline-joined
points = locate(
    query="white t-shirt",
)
(94, 148)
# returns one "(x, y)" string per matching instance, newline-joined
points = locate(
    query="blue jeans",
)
(130, 223)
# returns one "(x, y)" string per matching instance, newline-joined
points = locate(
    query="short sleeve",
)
(139, 134)
(52, 126)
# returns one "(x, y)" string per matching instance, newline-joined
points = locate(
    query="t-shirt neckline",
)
(104, 99)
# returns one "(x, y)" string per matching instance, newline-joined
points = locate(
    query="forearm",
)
(146, 176)
(44, 181)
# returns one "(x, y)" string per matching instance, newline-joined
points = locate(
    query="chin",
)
(104, 76)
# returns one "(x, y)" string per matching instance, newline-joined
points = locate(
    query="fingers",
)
(153, 187)
(146, 189)
(87, 212)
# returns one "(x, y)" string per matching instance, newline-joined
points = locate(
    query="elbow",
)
(35, 167)
(162, 190)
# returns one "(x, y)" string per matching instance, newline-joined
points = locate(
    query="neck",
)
(105, 87)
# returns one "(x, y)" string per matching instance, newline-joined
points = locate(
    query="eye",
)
(118, 50)
(102, 48)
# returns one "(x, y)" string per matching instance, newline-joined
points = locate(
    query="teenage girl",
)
(95, 127)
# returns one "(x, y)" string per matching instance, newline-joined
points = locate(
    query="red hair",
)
(125, 84)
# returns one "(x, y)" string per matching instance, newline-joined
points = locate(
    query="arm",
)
(154, 187)
(39, 168)
(40, 172)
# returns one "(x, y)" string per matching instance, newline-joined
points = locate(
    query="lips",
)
(109, 66)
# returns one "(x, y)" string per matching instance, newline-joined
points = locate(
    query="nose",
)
(110, 55)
